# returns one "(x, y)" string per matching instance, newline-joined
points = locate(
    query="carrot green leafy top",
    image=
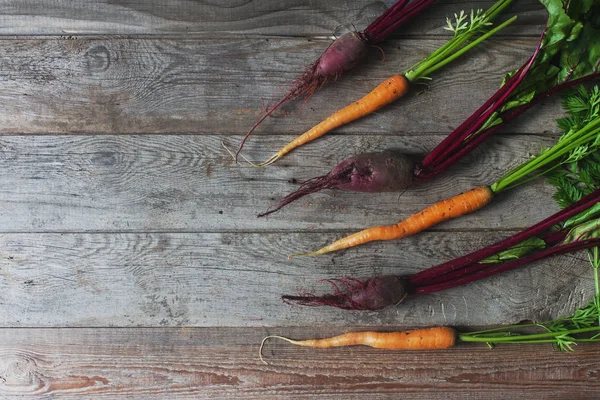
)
(465, 27)
(569, 50)
(581, 138)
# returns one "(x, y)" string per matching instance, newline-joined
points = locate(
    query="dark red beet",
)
(387, 171)
(343, 55)
(371, 294)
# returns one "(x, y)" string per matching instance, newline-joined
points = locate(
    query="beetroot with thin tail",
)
(345, 53)
(386, 171)
(352, 294)
(342, 55)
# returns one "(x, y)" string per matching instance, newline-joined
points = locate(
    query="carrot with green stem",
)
(581, 137)
(563, 333)
(465, 27)
(566, 55)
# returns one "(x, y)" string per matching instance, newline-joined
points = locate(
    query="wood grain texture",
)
(132, 264)
(236, 279)
(190, 183)
(239, 17)
(161, 85)
(222, 363)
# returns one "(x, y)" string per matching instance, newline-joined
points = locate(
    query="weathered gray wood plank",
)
(189, 183)
(236, 279)
(223, 364)
(153, 231)
(285, 18)
(136, 85)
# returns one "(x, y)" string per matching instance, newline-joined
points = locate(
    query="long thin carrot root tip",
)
(269, 161)
(233, 156)
(353, 294)
(262, 344)
(310, 254)
(382, 59)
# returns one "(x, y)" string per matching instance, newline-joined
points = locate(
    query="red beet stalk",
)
(422, 278)
(393, 18)
(488, 271)
(459, 137)
(551, 239)
(430, 168)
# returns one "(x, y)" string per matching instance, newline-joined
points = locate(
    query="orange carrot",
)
(387, 92)
(419, 339)
(450, 208)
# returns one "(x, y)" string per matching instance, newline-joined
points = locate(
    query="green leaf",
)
(569, 50)
(519, 100)
(583, 217)
(516, 251)
(584, 231)
(560, 28)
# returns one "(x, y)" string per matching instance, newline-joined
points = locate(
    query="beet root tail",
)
(329, 181)
(353, 294)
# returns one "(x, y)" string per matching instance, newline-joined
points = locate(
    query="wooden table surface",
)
(132, 263)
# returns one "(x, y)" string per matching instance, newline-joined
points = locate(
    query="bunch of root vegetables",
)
(566, 56)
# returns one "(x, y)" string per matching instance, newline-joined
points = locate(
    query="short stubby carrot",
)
(385, 93)
(453, 207)
(418, 339)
